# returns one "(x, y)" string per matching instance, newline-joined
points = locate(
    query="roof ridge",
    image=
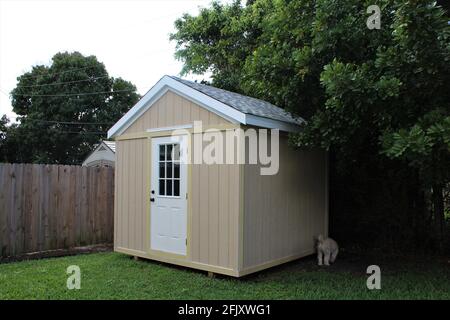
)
(217, 88)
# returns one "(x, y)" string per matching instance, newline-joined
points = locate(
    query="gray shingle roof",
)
(245, 104)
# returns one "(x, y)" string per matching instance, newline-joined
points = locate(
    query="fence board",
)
(47, 207)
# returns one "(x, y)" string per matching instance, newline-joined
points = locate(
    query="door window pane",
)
(169, 152)
(176, 171)
(162, 187)
(176, 188)
(162, 152)
(169, 169)
(169, 187)
(162, 171)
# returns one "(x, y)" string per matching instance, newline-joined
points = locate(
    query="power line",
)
(68, 122)
(53, 74)
(59, 83)
(75, 94)
(83, 132)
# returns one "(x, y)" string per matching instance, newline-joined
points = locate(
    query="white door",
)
(168, 206)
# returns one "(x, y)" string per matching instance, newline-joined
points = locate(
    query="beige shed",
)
(224, 217)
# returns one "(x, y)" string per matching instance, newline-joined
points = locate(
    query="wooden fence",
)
(48, 207)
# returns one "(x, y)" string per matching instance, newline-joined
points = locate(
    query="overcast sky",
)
(130, 37)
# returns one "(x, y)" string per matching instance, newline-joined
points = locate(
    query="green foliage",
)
(64, 109)
(3, 127)
(377, 99)
(219, 39)
(319, 60)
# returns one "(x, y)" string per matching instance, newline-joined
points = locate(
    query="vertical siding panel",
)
(145, 123)
(162, 111)
(213, 204)
(144, 195)
(204, 116)
(234, 214)
(133, 195)
(177, 110)
(195, 228)
(125, 193)
(152, 117)
(215, 119)
(117, 170)
(123, 196)
(118, 222)
(195, 112)
(139, 195)
(204, 216)
(170, 106)
(223, 215)
(186, 111)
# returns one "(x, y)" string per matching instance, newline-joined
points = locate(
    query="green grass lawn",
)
(116, 276)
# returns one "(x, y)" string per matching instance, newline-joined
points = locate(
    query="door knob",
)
(152, 199)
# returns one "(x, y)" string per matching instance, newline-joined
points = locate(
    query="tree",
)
(65, 108)
(377, 99)
(218, 40)
(3, 127)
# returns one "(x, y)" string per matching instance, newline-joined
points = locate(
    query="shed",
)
(103, 155)
(224, 218)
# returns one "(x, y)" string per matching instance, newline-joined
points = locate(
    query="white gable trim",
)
(159, 89)
(108, 154)
(167, 83)
(172, 128)
(108, 147)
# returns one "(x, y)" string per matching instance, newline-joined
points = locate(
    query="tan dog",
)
(327, 250)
